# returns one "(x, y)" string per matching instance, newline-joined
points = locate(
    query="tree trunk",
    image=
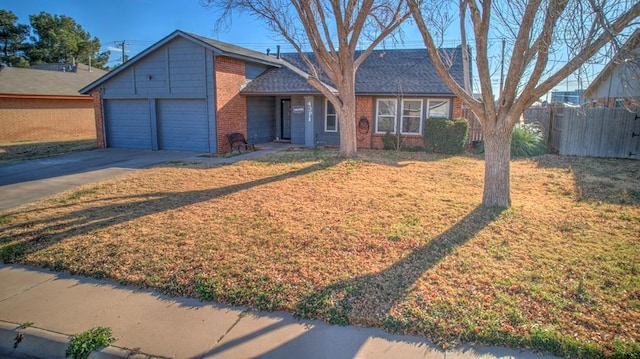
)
(347, 125)
(497, 156)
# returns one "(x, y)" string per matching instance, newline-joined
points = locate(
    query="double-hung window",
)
(438, 109)
(386, 115)
(411, 117)
(330, 118)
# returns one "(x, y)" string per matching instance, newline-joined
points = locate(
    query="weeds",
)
(83, 344)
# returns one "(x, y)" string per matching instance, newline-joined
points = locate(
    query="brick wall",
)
(364, 108)
(99, 120)
(375, 140)
(38, 119)
(457, 108)
(231, 107)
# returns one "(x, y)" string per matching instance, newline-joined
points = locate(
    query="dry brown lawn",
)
(22, 151)
(396, 240)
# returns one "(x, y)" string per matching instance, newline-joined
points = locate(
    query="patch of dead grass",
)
(22, 151)
(397, 240)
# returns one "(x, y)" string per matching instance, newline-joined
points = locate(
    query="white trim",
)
(448, 101)
(326, 115)
(402, 116)
(395, 117)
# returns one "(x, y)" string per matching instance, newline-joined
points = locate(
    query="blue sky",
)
(143, 22)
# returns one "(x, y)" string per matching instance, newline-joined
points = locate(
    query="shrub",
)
(445, 135)
(526, 141)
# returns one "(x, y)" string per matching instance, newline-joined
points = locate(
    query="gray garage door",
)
(182, 125)
(127, 123)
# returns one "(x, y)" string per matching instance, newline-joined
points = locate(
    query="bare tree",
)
(333, 30)
(548, 41)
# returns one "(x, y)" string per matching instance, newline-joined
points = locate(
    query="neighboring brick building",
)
(187, 92)
(45, 105)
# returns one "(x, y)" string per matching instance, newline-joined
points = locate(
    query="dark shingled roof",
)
(24, 81)
(384, 72)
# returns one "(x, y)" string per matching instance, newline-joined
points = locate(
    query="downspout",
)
(104, 126)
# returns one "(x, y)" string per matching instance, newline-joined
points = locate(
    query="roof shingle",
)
(384, 72)
(24, 81)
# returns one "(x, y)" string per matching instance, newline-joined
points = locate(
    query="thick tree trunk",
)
(347, 125)
(497, 156)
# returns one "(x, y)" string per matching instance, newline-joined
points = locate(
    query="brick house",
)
(43, 104)
(187, 92)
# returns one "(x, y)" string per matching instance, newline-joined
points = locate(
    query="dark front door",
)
(285, 124)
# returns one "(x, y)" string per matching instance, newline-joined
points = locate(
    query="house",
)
(619, 81)
(43, 104)
(186, 92)
(574, 97)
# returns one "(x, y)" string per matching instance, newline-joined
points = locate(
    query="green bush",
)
(445, 135)
(526, 141)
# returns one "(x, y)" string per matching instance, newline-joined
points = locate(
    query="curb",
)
(41, 343)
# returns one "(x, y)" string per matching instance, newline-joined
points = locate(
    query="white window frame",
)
(402, 116)
(448, 101)
(326, 116)
(395, 117)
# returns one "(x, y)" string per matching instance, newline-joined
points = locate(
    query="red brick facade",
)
(97, 105)
(39, 118)
(365, 106)
(231, 107)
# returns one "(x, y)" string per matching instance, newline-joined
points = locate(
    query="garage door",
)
(128, 123)
(183, 125)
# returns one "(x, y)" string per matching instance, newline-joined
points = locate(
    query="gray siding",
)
(261, 120)
(176, 85)
(323, 138)
(297, 121)
(175, 70)
(253, 70)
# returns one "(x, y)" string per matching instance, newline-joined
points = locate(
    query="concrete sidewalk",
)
(147, 324)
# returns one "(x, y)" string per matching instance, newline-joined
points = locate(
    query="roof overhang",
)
(46, 97)
(178, 33)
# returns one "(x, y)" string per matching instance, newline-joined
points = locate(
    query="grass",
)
(22, 151)
(85, 343)
(396, 240)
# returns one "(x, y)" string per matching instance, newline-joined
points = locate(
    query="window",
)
(411, 117)
(438, 109)
(386, 116)
(330, 118)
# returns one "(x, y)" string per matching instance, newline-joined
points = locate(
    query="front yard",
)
(396, 240)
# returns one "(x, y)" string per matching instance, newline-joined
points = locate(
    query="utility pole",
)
(502, 67)
(122, 45)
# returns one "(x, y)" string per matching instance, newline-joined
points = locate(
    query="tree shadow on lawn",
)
(369, 299)
(608, 180)
(55, 229)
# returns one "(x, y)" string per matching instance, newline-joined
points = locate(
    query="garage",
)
(128, 124)
(182, 125)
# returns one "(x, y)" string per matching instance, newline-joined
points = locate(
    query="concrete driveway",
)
(29, 181)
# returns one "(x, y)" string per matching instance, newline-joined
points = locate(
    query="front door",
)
(285, 124)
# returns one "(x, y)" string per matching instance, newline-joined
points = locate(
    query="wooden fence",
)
(589, 132)
(475, 128)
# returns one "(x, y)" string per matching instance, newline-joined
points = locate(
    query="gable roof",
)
(28, 81)
(384, 72)
(218, 47)
(631, 44)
